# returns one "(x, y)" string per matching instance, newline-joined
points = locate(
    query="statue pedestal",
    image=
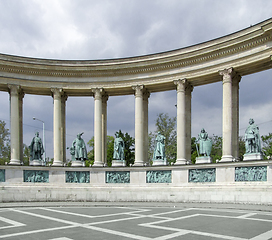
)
(77, 163)
(118, 163)
(159, 162)
(36, 162)
(203, 160)
(253, 156)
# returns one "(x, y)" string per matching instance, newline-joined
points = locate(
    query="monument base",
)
(253, 156)
(77, 163)
(159, 162)
(203, 160)
(118, 163)
(36, 162)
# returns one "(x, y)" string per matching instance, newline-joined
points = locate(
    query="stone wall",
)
(239, 182)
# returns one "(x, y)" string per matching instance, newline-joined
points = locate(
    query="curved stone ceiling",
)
(247, 51)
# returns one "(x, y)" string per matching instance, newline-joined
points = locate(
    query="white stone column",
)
(57, 96)
(227, 149)
(146, 95)
(98, 161)
(235, 102)
(139, 125)
(64, 98)
(105, 98)
(181, 121)
(188, 105)
(15, 125)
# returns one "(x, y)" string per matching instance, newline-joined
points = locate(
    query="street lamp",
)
(44, 156)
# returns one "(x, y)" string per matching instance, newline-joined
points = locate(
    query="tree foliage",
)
(4, 143)
(129, 150)
(167, 127)
(267, 145)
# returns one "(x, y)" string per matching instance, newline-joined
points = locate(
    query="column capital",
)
(183, 85)
(228, 74)
(105, 97)
(14, 89)
(138, 90)
(64, 97)
(98, 93)
(57, 92)
(146, 94)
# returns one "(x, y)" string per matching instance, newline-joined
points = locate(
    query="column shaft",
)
(104, 128)
(188, 116)
(181, 121)
(145, 122)
(58, 161)
(139, 126)
(64, 98)
(98, 161)
(227, 149)
(235, 134)
(15, 125)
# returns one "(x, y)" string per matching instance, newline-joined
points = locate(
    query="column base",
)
(203, 160)
(181, 162)
(226, 158)
(138, 164)
(159, 162)
(98, 164)
(253, 157)
(14, 162)
(77, 163)
(36, 162)
(118, 163)
(57, 163)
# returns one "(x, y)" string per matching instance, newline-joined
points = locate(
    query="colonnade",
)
(230, 124)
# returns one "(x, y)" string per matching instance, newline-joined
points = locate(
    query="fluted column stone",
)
(16, 126)
(105, 98)
(228, 124)
(181, 121)
(139, 125)
(57, 121)
(98, 161)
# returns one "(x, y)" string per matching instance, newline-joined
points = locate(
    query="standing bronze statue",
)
(252, 138)
(36, 148)
(78, 149)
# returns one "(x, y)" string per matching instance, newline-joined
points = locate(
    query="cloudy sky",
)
(105, 29)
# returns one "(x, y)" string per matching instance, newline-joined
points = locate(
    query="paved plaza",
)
(140, 221)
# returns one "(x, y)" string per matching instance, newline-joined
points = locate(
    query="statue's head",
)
(202, 130)
(251, 121)
(37, 134)
(79, 135)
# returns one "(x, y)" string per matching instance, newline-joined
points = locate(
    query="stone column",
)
(235, 117)
(139, 125)
(16, 129)
(57, 96)
(64, 98)
(181, 121)
(146, 95)
(188, 119)
(105, 98)
(98, 152)
(227, 149)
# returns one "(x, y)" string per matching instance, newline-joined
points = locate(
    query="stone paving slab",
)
(73, 221)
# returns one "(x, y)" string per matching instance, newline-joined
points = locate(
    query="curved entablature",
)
(247, 51)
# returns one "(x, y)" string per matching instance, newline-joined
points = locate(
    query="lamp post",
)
(44, 156)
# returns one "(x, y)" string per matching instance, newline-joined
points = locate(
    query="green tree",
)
(4, 143)
(110, 149)
(216, 153)
(26, 155)
(267, 146)
(194, 154)
(129, 150)
(167, 127)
